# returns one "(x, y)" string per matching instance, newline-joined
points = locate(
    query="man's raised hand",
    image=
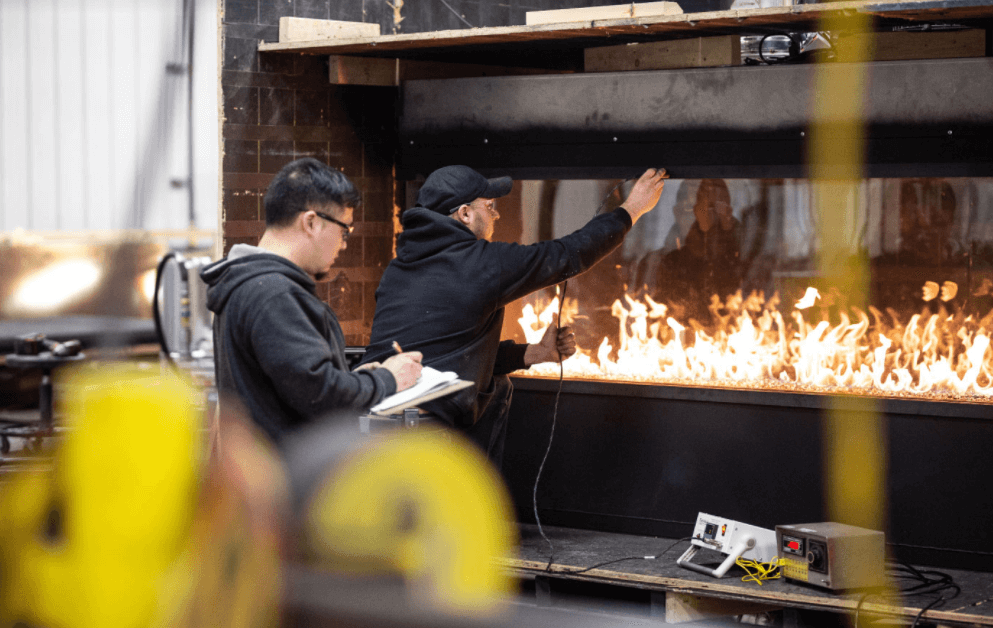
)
(645, 194)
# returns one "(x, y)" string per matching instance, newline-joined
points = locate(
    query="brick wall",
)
(281, 107)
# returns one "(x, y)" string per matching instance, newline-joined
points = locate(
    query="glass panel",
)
(713, 286)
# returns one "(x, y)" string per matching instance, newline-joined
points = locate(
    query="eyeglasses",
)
(348, 228)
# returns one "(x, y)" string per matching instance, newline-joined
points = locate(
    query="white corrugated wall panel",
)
(92, 127)
(13, 114)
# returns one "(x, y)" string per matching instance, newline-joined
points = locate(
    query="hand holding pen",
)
(405, 367)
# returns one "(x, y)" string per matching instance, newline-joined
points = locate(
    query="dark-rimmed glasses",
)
(348, 228)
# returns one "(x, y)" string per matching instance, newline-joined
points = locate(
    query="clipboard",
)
(430, 385)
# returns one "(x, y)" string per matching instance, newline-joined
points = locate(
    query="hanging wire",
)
(555, 408)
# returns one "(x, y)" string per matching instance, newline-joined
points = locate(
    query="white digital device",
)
(730, 537)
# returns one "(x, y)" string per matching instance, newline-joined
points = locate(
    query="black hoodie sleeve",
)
(524, 269)
(307, 368)
(509, 358)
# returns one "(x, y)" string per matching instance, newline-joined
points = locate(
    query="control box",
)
(729, 537)
(832, 555)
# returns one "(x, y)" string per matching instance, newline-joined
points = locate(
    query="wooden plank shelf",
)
(578, 549)
(798, 18)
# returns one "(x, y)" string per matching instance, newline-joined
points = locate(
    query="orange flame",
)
(756, 346)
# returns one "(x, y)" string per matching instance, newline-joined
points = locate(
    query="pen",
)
(396, 347)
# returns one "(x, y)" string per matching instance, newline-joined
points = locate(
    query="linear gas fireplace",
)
(713, 344)
(711, 348)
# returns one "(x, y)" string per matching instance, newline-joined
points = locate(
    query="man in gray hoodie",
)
(279, 349)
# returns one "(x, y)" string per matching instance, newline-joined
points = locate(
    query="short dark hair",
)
(302, 184)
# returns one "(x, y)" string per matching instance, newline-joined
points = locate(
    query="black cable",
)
(791, 54)
(555, 409)
(938, 602)
(923, 582)
(618, 560)
(551, 435)
(156, 315)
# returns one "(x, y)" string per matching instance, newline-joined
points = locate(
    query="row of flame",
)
(756, 346)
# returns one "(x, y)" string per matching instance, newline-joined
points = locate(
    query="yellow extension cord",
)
(757, 572)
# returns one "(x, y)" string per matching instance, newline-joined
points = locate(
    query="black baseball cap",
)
(446, 189)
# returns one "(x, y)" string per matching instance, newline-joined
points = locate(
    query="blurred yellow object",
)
(86, 541)
(124, 529)
(423, 505)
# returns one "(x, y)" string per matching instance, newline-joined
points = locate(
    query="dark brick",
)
(377, 160)
(271, 10)
(376, 185)
(377, 207)
(377, 252)
(314, 66)
(274, 155)
(347, 157)
(243, 228)
(377, 167)
(241, 105)
(518, 16)
(241, 11)
(247, 180)
(259, 79)
(251, 31)
(317, 9)
(311, 108)
(275, 63)
(323, 290)
(342, 131)
(357, 11)
(356, 340)
(312, 133)
(240, 54)
(345, 298)
(351, 257)
(317, 150)
(240, 204)
(276, 107)
(488, 13)
(241, 156)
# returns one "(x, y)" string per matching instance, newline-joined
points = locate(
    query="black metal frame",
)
(923, 118)
(645, 459)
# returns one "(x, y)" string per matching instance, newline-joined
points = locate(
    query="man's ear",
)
(462, 214)
(308, 221)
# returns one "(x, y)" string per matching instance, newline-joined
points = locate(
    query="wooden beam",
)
(612, 12)
(700, 52)
(893, 46)
(347, 70)
(420, 70)
(294, 29)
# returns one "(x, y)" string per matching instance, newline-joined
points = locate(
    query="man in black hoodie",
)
(277, 347)
(444, 294)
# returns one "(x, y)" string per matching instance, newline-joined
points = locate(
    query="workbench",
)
(680, 595)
